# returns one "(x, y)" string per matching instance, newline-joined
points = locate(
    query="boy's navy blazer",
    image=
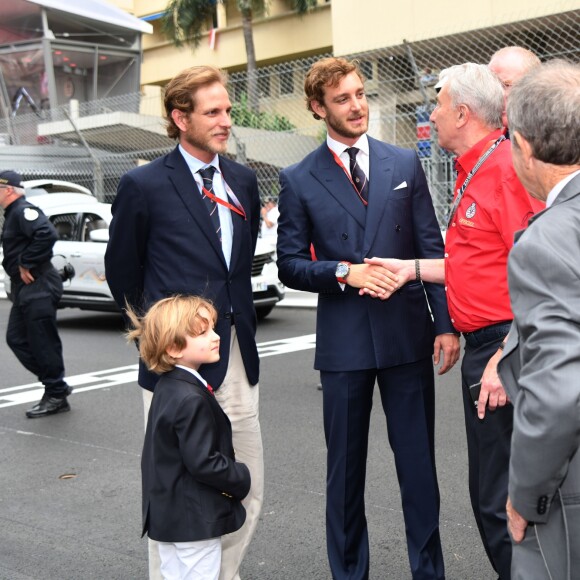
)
(162, 243)
(318, 205)
(192, 485)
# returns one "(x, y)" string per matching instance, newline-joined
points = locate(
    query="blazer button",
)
(344, 236)
(397, 228)
(542, 505)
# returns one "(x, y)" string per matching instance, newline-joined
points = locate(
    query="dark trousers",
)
(488, 449)
(32, 333)
(408, 399)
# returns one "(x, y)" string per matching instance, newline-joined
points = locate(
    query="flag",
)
(212, 38)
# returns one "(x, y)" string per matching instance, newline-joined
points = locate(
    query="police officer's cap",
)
(10, 178)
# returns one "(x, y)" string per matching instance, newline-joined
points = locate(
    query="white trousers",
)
(240, 402)
(191, 560)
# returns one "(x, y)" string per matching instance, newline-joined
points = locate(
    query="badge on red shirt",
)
(470, 211)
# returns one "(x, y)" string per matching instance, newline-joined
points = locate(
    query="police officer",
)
(32, 334)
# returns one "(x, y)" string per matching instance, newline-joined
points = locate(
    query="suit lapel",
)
(336, 183)
(571, 190)
(381, 166)
(180, 176)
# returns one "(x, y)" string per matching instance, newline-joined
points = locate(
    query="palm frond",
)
(252, 7)
(302, 6)
(185, 20)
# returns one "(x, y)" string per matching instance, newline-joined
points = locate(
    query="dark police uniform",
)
(27, 239)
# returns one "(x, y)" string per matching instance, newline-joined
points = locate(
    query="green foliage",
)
(302, 6)
(252, 7)
(243, 116)
(186, 20)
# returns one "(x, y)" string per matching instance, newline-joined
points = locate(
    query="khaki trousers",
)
(153, 546)
(240, 402)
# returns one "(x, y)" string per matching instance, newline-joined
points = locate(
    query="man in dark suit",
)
(540, 365)
(187, 223)
(377, 204)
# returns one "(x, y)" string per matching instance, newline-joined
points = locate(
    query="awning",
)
(97, 10)
(152, 17)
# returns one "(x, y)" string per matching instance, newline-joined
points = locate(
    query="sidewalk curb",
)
(298, 299)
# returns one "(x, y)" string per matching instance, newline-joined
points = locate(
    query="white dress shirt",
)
(219, 189)
(362, 157)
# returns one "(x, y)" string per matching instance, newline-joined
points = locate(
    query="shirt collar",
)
(362, 144)
(194, 373)
(195, 164)
(557, 189)
(468, 160)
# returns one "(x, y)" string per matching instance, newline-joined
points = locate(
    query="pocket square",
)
(401, 185)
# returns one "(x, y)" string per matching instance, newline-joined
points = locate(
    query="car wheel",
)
(263, 311)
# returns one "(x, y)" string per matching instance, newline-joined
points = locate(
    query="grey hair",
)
(543, 107)
(476, 86)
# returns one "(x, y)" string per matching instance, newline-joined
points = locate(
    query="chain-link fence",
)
(95, 143)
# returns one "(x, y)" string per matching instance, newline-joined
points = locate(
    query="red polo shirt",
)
(494, 206)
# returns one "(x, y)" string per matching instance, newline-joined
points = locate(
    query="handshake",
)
(380, 277)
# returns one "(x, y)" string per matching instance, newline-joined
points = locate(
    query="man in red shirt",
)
(490, 205)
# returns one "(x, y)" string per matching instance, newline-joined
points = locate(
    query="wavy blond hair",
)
(167, 324)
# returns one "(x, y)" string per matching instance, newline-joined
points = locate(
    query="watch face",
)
(342, 270)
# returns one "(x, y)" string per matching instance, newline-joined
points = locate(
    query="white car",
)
(82, 224)
(34, 187)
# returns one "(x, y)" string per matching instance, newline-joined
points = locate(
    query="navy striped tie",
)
(212, 208)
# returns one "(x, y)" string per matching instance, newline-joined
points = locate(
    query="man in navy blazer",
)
(350, 206)
(163, 241)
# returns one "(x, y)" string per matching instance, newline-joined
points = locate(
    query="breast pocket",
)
(400, 193)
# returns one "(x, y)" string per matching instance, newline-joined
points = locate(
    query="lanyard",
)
(239, 210)
(470, 176)
(341, 165)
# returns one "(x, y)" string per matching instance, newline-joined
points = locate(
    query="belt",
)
(490, 333)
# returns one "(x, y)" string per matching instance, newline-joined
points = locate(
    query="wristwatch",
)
(342, 271)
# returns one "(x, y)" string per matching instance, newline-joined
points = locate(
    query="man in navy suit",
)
(165, 239)
(351, 205)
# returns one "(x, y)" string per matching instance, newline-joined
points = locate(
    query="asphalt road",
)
(70, 484)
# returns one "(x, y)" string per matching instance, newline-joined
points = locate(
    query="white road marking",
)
(22, 394)
(286, 345)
